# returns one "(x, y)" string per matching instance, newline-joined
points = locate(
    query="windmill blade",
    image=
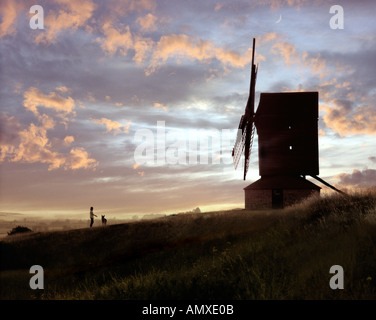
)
(248, 146)
(250, 107)
(246, 129)
(239, 143)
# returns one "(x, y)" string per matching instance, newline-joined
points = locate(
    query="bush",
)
(19, 229)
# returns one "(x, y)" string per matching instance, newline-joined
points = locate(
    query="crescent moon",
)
(280, 19)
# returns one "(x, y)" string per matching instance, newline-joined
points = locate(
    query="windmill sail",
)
(246, 129)
(248, 145)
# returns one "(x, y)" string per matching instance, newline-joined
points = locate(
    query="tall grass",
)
(283, 254)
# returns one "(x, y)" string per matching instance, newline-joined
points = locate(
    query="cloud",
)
(34, 98)
(34, 146)
(142, 46)
(5, 151)
(292, 57)
(68, 140)
(148, 22)
(287, 51)
(127, 126)
(266, 37)
(31, 143)
(79, 158)
(160, 105)
(8, 13)
(344, 117)
(113, 126)
(181, 46)
(140, 5)
(116, 40)
(364, 178)
(62, 89)
(117, 10)
(140, 173)
(136, 165)
(120, 40)
(69, 15)
(276, 4)
(218, 6)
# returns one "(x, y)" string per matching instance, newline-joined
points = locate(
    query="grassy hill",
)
(277, 254)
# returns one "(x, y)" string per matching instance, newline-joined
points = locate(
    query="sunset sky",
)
(77, 95)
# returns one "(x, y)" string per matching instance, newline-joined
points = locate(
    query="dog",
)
(104, 221)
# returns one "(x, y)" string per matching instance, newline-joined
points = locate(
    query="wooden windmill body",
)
(287, 127)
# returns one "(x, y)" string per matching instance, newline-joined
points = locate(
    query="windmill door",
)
(277, 198)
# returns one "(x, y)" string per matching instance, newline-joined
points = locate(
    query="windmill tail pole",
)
(329, 185)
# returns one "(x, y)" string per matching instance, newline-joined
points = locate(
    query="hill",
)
(238, 254)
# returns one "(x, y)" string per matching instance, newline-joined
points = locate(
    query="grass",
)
(279, 254)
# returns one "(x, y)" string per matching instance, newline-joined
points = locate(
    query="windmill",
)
(246, 129)
(287, 129)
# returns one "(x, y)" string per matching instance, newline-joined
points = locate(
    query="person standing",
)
(92, 215)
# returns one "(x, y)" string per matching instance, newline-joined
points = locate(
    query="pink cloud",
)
(287, 51)
(136, 165)
(113, 126)
(181, 46)
(116, 40)
(160, 105)
(142, 46)
(147, 22)
(34, 146)
(69, 16)
(9, 10)
(34, 98)
(79, 158)
(31, 144)
(344, 119)
(293, 57)
(68, 140)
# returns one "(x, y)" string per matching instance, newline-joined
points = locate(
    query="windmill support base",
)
(328, 185)
(277, 192)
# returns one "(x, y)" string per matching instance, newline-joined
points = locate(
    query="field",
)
(238, 254)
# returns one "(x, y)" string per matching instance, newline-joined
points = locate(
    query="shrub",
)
(19, 229)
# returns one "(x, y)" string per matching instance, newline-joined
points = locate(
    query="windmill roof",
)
(282, 182)
(289, 103)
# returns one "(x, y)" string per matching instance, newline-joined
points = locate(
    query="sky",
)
(132, 106)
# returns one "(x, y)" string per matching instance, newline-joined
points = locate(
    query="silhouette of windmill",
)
(287, 129)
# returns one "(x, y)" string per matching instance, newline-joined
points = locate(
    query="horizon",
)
(78, 94)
